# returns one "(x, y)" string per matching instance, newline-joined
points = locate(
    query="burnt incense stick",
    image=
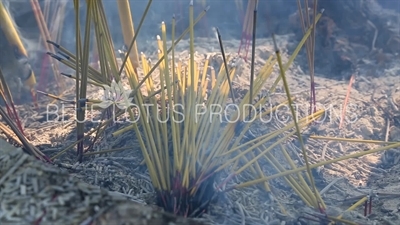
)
(225, 64)
(253, 54)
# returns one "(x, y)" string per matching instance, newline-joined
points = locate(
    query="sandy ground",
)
(373, 113)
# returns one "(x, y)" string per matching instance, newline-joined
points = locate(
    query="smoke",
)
(225, 15)
(28, 39)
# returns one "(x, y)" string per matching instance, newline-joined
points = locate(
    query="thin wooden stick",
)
(46, 36)
(8, 100)
(6, 24)
(247, 28)
(310, 45)
(128, 30)
(133, 42)
(317, 200)
(346, 100)
(225, 65)
(354, 155)
(253, 56)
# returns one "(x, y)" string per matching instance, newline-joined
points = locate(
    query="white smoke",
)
(22, 7)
